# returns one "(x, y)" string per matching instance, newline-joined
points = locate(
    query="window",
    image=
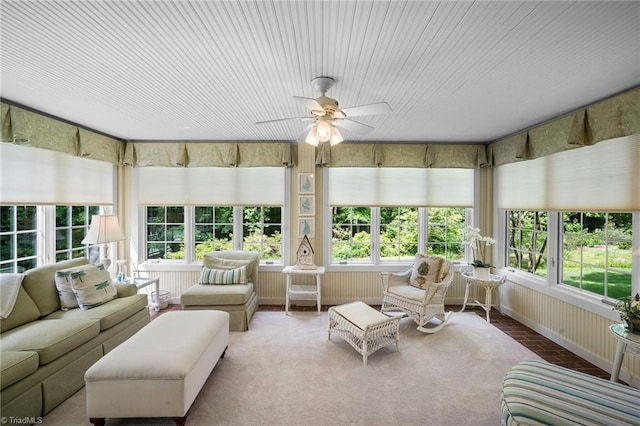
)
(72, 224)
(262, 231)
(398, 233)
(596, 252)
(356, 231)
(26, 240)
(189, 232)
(213, 229)
(165, 232)
(445, 232)
(351, 234)
(18, 238)
(527, 241)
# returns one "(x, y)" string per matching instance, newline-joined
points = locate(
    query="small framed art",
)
(306, 226)
(306, 184)
(306, 205)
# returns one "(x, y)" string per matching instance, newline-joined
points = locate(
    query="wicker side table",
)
(364, 328)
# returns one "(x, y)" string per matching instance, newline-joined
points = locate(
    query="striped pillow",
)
(224, 276)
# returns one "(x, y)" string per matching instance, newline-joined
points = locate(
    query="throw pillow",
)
(224, 276)
(65, 291)
(426, 269)
(92, 285)
(219, 263)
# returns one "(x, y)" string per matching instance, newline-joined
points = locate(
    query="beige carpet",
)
(284, 371)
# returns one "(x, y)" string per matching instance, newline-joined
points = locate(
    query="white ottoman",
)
(365, 328)
(160, 370)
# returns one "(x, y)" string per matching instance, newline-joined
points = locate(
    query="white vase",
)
(481, 273)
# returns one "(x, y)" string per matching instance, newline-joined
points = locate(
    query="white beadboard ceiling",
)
(452, 71)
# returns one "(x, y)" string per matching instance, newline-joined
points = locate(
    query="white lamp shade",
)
(104, 229)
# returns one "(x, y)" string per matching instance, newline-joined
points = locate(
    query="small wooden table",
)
(494, 281)
(304, 292)
(627, 342)
(363, 327)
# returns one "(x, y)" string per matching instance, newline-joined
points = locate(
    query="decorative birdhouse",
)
(304, 255)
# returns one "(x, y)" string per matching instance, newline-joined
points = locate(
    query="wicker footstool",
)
(365, 328)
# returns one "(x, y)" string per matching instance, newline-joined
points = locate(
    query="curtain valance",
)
(402, 155)
(609, 119)
(209, 154)
(27, 128)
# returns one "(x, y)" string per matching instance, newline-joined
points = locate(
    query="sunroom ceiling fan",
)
(325, 115)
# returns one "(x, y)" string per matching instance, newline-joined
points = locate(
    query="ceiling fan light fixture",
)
(312, 136)
(324, 131)
(336, 137)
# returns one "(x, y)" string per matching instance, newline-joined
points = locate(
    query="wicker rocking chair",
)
(420, 304)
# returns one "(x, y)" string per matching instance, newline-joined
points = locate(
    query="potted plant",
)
(629, 310)
(478, 244)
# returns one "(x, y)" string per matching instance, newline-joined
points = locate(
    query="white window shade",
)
(410, 187)
(242, 186)
(40, 176)
(602, 177)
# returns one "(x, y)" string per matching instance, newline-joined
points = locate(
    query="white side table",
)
(142, 282)
(303, 292)
(494, 281)
(627, 342)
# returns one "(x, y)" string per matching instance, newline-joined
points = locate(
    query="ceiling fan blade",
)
(281, 119)
(311, 104)
(352, 126)
(370, 109)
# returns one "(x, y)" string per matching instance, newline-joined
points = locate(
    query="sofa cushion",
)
(41, 286)
(24, 311)
(213, 295)
(224, 276)
(233, 259)
(50, 338)
(109, 314)
(91, 284)
(426, 269)
(16, 365)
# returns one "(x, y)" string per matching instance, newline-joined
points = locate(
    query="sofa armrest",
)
(126, 290)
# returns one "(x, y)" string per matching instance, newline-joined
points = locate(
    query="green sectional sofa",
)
(45, 351)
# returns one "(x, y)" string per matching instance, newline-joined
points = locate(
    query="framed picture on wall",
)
(306, 205)
(305, 183)
(306, 226)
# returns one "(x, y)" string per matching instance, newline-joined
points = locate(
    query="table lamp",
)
(104, 229)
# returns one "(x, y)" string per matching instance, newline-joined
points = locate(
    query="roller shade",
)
(602, 177)
(410, 187)
(40, 176)
(254, 186)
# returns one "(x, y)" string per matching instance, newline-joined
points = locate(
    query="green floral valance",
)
(28, 128)
(610, 119)
(209, 154)
(402, 155)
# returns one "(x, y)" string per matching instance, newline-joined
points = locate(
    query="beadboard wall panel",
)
(583, 332)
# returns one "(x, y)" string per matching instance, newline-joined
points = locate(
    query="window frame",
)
(375, 263)
(189, 235)
(552, 285)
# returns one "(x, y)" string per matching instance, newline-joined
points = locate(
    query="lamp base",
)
(106, 262)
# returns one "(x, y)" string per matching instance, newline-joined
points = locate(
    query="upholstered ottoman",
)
(160, 370)
(539, 393)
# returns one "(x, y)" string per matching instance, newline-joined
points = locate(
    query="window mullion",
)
(554, 248)
(238, 220)
(375, 235)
